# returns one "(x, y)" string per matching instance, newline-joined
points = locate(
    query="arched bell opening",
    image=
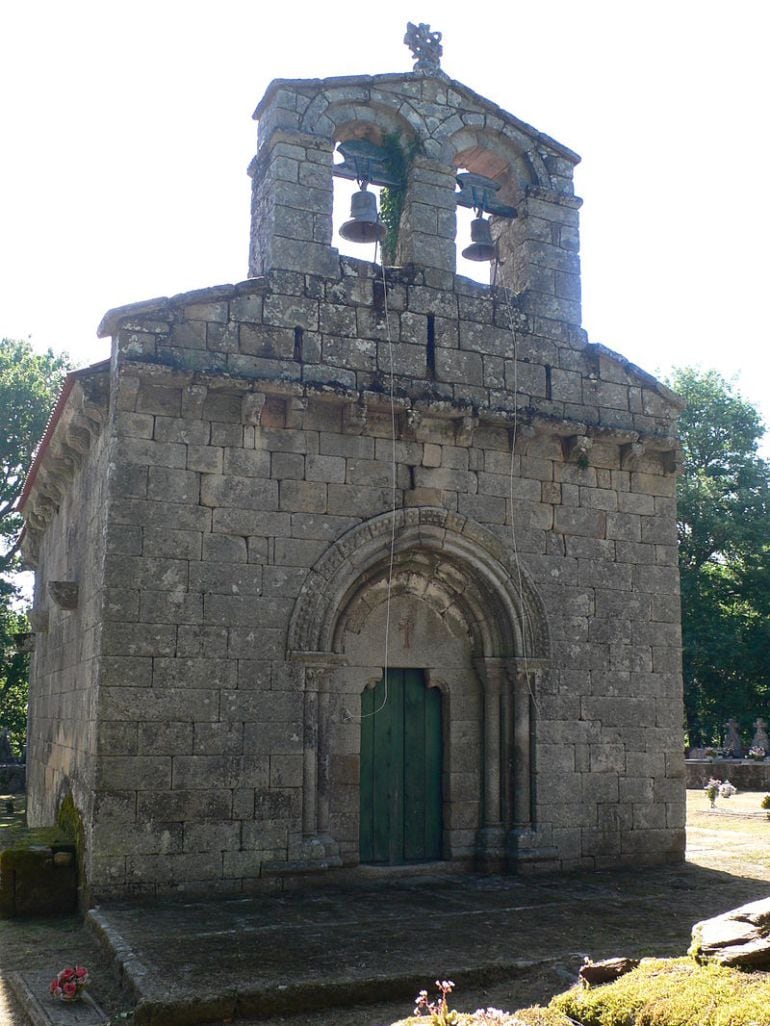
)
(493, 176)
(372, 144)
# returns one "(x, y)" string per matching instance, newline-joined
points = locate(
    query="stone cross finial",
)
(425, 46)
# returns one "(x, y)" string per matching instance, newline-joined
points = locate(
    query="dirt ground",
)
(728, 864)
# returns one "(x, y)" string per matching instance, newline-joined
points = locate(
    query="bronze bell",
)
(482, 247)
(364, 225)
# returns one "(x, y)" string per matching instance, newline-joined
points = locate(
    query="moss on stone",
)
(671, 992)
(70, 822)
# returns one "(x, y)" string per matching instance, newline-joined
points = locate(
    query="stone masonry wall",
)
(62, 743)
(252, 431)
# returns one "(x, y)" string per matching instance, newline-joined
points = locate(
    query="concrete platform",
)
(199, 961)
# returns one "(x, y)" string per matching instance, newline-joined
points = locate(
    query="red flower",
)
(70, 989)
(81, 972)
(55, 984)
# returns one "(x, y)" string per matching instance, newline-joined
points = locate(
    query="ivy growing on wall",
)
(399, 162)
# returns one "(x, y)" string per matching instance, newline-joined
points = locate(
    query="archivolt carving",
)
(463, 571)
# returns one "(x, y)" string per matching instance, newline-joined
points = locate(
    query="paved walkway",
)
(215, 960)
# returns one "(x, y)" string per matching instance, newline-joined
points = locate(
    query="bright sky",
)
(127, 131)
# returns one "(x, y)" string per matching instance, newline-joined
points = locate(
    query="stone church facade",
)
(341, 567)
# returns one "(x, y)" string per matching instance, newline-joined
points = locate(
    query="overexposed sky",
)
(126, 132)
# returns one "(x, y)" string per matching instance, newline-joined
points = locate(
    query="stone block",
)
(226, 579)
(212, 836)
(135, 639)
(224, 548)
(303, 496)
(173, 607)
(325, 468)
(256, 643)
(147, 451)
(201, 642)
(270, 739)
(286, 771)
(216, 771)
(174, 486)
(140, 772)
(224, 738)
(194, 673)
(240, 492)
(247, 522)
(352, 500)
(164, 541)
(246, 463)
(165, 738)
(181, 704)
(607, 758)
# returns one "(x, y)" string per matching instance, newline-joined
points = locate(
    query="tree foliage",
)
(724, 556)
(14, 663)
(29, 385)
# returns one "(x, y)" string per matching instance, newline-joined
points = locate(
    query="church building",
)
(358, 564)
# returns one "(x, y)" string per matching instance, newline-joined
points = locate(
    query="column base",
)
(525, 848)
(490, 850)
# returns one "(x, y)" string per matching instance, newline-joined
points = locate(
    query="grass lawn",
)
(733, 838)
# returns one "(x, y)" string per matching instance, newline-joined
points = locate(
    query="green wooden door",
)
(401, 771)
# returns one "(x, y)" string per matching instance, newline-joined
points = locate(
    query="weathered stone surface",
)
(740, 937)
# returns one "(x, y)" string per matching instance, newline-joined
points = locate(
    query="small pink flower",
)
(70, 990)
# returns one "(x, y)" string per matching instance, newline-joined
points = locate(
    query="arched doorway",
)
(463, 614)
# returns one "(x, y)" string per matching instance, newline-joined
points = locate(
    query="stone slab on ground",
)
(31, 991)
(198, 961)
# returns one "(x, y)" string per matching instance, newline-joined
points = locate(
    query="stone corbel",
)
(519, 437)
(354, 417)
(193, 398)
(631, 455)
(78, 439)
(64, 593)
(670, 460)
(577, 448)
(73, 458)
(410, 425)
(252, 405)
(464, 430)
(38, 619)
(85, 423)
(96, 415)
(296, 408)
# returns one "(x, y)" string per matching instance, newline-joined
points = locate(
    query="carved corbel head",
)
(64, 593)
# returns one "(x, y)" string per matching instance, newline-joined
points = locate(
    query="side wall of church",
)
(64, 673)
(253, 431)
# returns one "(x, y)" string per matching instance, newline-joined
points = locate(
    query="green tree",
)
(29, 385)
(724, 555)
(14, 664)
